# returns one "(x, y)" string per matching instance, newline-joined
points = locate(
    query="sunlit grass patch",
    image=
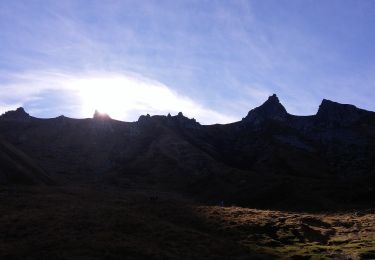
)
(293, 235)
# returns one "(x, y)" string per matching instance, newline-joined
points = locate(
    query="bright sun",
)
(106, 95)
(126, 97)
(96, 97)
(118, 96)
(123, 96)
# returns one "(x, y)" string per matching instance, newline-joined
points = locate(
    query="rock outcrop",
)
(335, 114)
(272, 109)
(18, 114)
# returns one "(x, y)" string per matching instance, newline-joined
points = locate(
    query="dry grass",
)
(100, 223)
(107, 223)
(298, 235)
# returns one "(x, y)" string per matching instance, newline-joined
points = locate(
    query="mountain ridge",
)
(272, 108)
(269, 159)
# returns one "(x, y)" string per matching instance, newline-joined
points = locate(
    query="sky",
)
(214, 60)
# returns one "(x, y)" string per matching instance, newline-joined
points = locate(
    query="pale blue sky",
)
(213, 60)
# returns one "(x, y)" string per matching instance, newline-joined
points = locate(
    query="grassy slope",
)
(108, 223)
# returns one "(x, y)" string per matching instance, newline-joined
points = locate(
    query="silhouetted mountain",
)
(269, 159)
(19, 114)
(332, 113)
(162, 187)
(271, 109)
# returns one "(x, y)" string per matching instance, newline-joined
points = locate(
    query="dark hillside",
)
(18, 168)
(269, 159)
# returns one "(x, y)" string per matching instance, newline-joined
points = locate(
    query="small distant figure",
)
(221, 203)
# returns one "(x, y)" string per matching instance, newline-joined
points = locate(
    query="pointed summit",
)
(21, 110)
(273, 98)
(271, 109)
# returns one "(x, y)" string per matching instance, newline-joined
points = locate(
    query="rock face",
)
(18, 114)
(182, 121)
(271, 109)
(269, 159)
(333, 113)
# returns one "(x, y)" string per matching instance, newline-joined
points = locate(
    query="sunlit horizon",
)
(121, 96)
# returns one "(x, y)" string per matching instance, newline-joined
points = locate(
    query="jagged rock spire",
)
(271, 109)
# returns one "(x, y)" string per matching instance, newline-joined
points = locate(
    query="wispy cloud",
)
(227, 56)
(124, 96)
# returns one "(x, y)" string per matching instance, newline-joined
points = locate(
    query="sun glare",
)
(118, 96)
(123, 97)
(98, 96)
(107, 95)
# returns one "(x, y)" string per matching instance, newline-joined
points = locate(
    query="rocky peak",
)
(21, 110)
(101, 116)
(144, 119)
(271, 109)
(333, 113)
(182, 120)
(328, 106)
(273, 99)
(18, 114)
